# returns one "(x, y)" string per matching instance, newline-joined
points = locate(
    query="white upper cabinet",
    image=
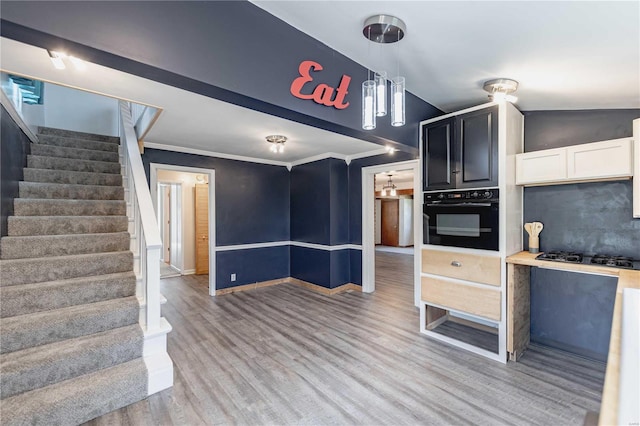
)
(541, 167)
(607, 160)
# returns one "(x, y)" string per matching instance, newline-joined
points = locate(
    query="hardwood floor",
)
(286, 355)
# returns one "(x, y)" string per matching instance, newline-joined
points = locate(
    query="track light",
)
(56, 59)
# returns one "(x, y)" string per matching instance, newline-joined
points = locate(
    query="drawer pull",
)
(456, 264)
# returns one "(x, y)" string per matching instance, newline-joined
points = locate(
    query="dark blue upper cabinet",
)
(438, 156)
(461, 151)
(477, 144)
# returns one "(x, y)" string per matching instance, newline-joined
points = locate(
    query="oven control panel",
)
(477, 195)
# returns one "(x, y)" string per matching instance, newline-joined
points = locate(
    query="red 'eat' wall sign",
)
(323, 93)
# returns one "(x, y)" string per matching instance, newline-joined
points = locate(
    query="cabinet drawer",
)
(464, 266)
(483, 302)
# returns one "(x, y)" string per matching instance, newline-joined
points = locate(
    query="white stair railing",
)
(146, 244)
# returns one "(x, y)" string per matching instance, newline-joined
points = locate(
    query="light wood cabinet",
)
(475, 300)
(598, 161)
(464, 266)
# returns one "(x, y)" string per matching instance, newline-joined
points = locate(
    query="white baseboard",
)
(188, 271)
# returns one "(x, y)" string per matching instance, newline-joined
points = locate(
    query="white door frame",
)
(368, 227)
(154, 167)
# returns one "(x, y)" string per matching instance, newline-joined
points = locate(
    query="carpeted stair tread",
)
(75, 153)
(61, 225)
(41, 366)
(78, 400)
(60, 190)
(41, 328)
(69, 142)
(78, 135)
(42, 269)
(64, 207)
(25, 299)
(71, 177)
(20, 247)
(41, 162)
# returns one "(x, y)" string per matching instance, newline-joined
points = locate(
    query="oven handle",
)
(461, 205)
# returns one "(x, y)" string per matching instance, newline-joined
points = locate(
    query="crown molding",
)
(346, 158)
(213, 154)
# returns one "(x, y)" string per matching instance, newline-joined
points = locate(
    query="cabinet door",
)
(600, 160)
(477, 149)
(437, 154)
(539, 167)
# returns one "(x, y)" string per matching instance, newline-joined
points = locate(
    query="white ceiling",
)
(566, 55)
(189, 121)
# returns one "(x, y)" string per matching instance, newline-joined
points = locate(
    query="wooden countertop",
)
(529, 259)
(626, 279)
(609, 407)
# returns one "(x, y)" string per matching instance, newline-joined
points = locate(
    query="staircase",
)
(71, 346)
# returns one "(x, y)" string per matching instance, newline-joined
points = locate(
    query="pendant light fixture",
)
(390, 188)
(383, 29)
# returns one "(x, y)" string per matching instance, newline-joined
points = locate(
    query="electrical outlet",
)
(233, 277)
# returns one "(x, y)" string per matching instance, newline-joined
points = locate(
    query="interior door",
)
(390, 217)
(202, 228)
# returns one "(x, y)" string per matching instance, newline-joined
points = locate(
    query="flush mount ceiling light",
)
(390, 188)
(500, 89)
(277, 142)
(57, 58)
(383, 29)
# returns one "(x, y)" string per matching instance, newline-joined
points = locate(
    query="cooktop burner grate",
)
(561, 256)
(615, 261)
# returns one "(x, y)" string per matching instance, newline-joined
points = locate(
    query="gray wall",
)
(573, 311)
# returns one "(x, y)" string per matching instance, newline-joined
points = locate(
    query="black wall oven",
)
(462, 219)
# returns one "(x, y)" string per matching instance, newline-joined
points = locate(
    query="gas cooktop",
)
(597, 259)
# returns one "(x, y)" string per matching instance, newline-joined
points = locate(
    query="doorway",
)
(377, 205)
(194, 202)
(169, 210)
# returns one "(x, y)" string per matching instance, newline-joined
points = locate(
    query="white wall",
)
(72, 109)
(405, 227)
(188, 181)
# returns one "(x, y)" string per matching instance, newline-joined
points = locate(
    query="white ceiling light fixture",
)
(383, 29)
(389, 188)
(78, 63)
(500, 89)
(56, 59)
(277, 142)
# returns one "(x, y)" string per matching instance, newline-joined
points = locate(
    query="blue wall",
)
(252, 206)
(320, 215)
(251, 266)
(14, 148)
(229, 50)
(573, 311)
